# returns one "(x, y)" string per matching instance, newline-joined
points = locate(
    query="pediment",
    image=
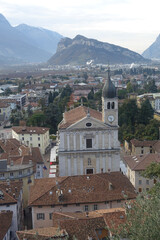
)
(89, 123)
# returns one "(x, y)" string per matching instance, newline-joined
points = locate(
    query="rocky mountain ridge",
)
(80, 49)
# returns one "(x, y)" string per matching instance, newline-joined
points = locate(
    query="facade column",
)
(109, 139)
(97, 142)
(69, 167)
(75, 166)
(97, 164)
(81, 165)
(81, 148)
(103, 136)
(74, 141)
(104, 162)
(68, 142)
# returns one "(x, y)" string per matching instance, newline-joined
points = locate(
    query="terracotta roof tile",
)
(10, 192)
(5, 222)
(144, 143)
(82, 189)
(28, 130)
(141, 162)
(42, 234)
(77, 114)
(81, 225)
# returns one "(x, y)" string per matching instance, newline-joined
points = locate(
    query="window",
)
(140, 182)
(22, 138)
(108, 105)
(30, 138)
(50, 216)
(86, 208)
(112, 106)
(154, 181)
(140, 189)
(28, 170)
(141, 151)
(88, 143)
(39, 144)
(40, 216)
(77, 204)
(147, 182)
(39, 206)
(20, 173)
(1, 175)
(118, 201)
(89, 171)
(52, 206)
(89, 161)
(38, 138)
(11, 174)
(88, 124)
(95, 207)
(147, 189)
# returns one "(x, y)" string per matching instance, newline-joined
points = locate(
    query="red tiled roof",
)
(5, 223)
(145, 143)
(10, 192)
(82, 189)
(141, 162)
(82, 225)
(42, 234)
(29, 130)
(77, 114)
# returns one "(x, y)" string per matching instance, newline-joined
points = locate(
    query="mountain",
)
(18, 47)
(154, 50)
(79, 50)
(41, 37)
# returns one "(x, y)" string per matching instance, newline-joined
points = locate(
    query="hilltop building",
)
(89, 138)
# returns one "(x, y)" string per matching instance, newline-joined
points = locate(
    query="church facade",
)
(89, 138)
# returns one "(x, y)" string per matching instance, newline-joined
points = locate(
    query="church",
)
(88, 139)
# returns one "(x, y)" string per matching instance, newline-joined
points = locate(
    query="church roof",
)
(109, 90)
(77, 114)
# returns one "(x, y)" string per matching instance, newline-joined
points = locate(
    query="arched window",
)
(108, 105)
(112, 105)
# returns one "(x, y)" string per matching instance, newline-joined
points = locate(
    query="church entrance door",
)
(89, 171)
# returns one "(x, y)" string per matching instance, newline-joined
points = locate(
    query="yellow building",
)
(32, 137)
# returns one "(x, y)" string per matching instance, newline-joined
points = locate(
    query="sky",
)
(133, 24)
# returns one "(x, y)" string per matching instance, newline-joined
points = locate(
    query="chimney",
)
(110, 186)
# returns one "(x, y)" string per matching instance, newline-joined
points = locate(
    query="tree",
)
(142, 219)
(91, 94)
(146, 112)
(50, 98)
(37, 119)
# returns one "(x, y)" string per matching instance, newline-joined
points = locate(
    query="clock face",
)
(110, 118)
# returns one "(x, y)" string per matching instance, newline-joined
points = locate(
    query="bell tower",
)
(109, 103)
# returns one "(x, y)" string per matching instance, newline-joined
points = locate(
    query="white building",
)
(89, 139)
(32, 137)
(11, 200)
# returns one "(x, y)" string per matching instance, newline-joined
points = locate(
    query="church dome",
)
(109, 90)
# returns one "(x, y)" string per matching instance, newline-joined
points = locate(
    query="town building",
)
(20, 163)
(11, 200)
(136, 147)
(32, 137)
(88, 139)
(5, 225)
(83, 193)
(19, 99)
(135, 165)
(97, 224)
(5, 111)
